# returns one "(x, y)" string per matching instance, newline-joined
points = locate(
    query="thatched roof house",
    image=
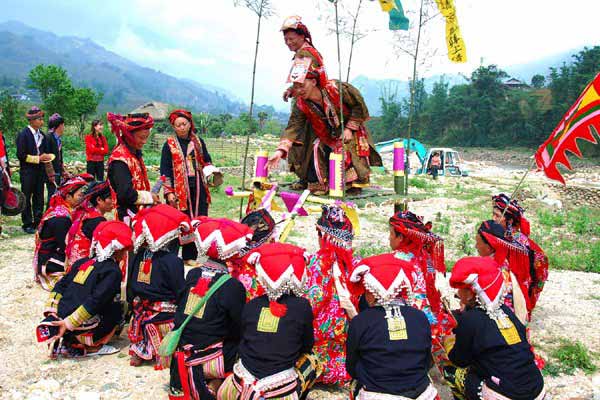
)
(158, 110)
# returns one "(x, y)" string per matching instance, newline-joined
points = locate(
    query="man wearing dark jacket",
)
(56, 128)
(32, 153)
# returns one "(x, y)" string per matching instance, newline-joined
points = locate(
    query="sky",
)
(213, 42)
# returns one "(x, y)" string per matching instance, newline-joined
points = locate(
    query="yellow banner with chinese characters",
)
(457, 51)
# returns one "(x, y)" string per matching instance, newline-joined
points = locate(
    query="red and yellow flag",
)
(580, 122)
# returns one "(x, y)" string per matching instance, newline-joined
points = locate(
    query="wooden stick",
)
(514, 193)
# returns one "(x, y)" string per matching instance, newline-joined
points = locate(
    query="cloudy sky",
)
(212, 42)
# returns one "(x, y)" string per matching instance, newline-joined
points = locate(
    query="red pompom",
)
(201, 287)
(147, 265)
(86, 265)
(277, 309)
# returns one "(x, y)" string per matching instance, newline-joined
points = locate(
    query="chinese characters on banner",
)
(457, 52)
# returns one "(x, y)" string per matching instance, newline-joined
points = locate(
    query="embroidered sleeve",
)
(52, 303)
(78, 317)
(285, 145)
(32, 159)
(296, 128)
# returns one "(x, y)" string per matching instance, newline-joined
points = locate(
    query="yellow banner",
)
(457, 52)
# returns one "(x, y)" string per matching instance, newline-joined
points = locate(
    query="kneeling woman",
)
(84, 308)
(389, 343)
(277, 332)
(51, 236)
(156, 278)
(491, 350)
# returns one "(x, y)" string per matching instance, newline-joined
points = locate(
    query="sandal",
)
(299, 185)
(103, 351)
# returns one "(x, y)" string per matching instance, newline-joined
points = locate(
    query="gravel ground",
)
(569, 308)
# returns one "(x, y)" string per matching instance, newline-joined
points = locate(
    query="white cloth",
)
(429, 394)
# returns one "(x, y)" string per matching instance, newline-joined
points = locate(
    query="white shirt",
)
(37, 136)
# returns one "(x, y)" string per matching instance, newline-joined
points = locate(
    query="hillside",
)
(125, 84)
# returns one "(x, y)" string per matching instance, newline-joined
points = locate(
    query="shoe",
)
(103, 351)
(353, 191)
(299, 185)
(29, 230)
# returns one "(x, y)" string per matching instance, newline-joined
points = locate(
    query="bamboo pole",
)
(260, 13)
(337, 33)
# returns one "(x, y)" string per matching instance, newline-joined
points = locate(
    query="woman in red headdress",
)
(126, 169)
(187, 167)
(491, 356)
(334, 299)
(51, 235)
(97, 201)
(83, 309)
(510, 215)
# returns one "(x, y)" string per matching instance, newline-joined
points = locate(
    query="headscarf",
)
(54, 121)
(295, 24)
(70, 187)
(183, 114)
(34, 112)
(514, 212)
(125, 126)
(263, 225)
(410, 225)
(97, 190)
(334, 223)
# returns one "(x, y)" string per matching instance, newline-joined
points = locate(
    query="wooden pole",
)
(340, 89)
(260, 12)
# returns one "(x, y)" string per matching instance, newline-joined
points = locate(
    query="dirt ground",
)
(569, 308)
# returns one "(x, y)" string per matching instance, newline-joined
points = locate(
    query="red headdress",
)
(517, 255)
(183, 114)
(410, 225)
(384, 276)
(514, 211)
(124, 126)
(157, 226)
(220, 238)
(110, 236)
(69, 187)
(281, 269)
(484, 277)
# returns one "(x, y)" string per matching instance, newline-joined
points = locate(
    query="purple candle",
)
(399, 158)
(260, 166)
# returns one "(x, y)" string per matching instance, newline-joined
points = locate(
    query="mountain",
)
(371, 89)
(125, 84)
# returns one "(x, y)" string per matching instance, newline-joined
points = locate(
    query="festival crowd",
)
(235, 314)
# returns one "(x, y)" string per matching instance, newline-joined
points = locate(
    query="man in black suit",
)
(56, 128)
(32, 153)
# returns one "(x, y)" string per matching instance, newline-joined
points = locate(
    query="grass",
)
(551, 218)
(569, 357)
(371, 249)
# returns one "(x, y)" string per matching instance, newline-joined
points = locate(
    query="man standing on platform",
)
(31, 152)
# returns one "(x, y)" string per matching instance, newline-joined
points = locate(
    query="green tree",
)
(262, 118)
(83, 103)
(12, 115)
(538, 81)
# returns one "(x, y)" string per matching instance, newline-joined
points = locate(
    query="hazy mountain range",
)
(126, 85)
